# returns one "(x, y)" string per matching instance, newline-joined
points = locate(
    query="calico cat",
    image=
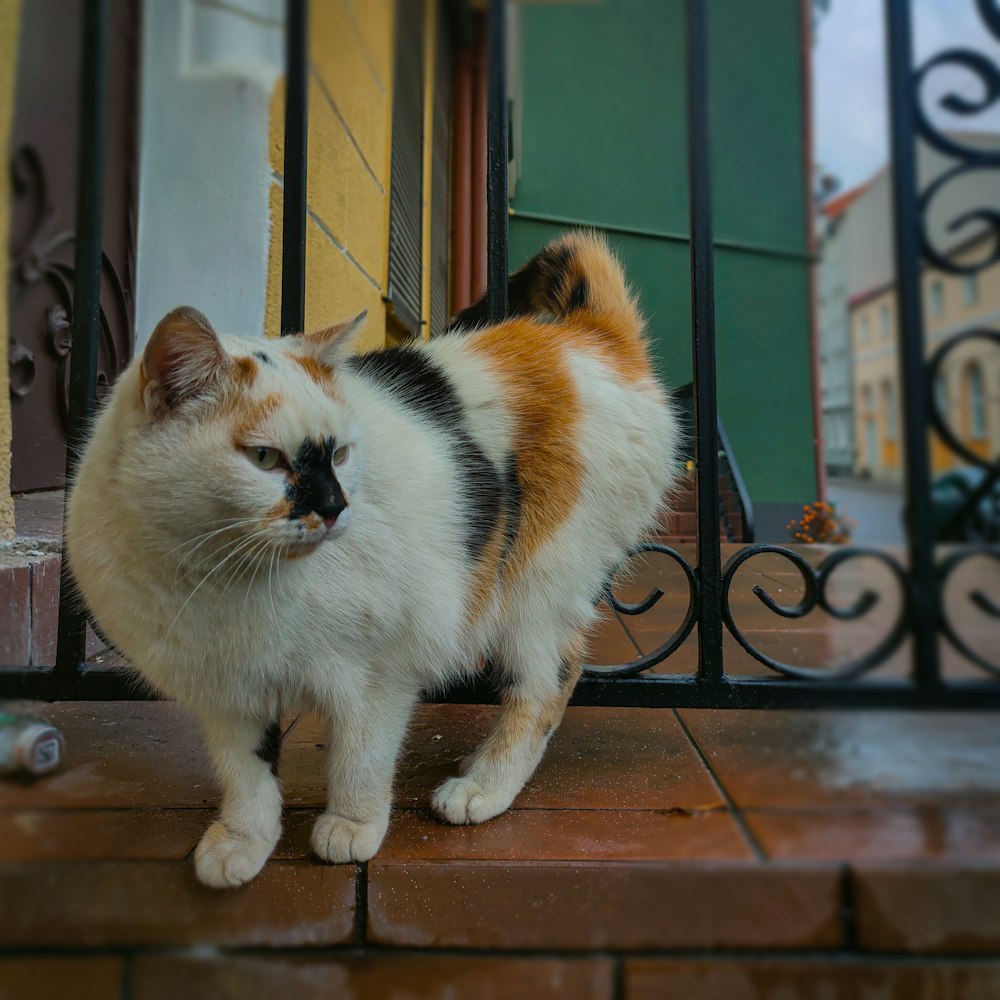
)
(264, 526)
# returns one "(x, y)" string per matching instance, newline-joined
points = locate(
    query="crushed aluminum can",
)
(29, 745)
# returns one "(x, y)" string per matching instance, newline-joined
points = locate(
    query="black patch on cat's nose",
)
(331, 511)
(312, 484)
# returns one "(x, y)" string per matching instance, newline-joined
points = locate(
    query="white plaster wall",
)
(208, 72)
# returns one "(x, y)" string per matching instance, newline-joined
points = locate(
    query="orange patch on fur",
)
(518, 722)
(617, 346)
(319, 373)
(597, 312)
(546, 409)
(250, 415)
(245, 371)
(487, 573)
(281, 511)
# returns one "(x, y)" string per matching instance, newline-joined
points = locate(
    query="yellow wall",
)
(350, 121)
(9, 12)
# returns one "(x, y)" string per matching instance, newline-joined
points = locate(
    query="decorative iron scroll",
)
(44, 257)
(970, 158)
(977, 597)
(675, 641)
(816, 581)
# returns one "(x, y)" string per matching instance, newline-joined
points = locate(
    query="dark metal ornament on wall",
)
(42, 267)
(42, 249)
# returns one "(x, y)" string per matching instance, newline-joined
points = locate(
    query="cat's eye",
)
(340, 455)
(263, 458)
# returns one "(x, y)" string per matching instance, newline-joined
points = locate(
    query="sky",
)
(849, 93)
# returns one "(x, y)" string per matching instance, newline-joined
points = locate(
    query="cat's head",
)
(249, 435)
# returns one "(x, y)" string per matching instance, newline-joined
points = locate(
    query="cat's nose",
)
(331, 511)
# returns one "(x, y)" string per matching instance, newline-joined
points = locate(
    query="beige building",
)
(968, 389)
(968, 392)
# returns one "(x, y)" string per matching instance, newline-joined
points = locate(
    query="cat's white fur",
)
(358, 627)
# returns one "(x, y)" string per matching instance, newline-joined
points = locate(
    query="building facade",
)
(602, 142)
(967, 393)
(836, 357)
(396, 187)
(967, 390)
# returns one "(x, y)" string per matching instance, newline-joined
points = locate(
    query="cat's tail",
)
(574, 273)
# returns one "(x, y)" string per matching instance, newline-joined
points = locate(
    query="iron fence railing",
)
(921, 616)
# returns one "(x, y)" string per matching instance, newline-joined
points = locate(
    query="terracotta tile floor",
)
(689, 830)
(779, 841)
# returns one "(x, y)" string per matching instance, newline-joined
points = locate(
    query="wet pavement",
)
(875, 508)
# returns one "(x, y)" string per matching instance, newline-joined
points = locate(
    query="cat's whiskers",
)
(186, 560)
(237, 547)
(270, 595)
(258, 561)
(248, 560)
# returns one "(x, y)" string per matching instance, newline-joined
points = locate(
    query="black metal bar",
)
(497, 133)
(646, 691)
(706, 437)
(293, 208)
(906, 216)
(72, 634)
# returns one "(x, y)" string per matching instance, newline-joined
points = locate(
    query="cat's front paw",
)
(464, 800)
(339, 839)
(224, 860)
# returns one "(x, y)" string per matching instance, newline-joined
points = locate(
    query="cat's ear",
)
(183, 359)
(335, 343)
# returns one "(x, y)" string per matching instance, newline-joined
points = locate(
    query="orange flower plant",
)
(820, 524)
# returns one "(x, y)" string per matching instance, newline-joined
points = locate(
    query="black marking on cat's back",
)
(538, 281)
(483, 492)
(421, 385)
(578, 296)
(414, 380)
(261, 356)
(269, 747)
(513, 497)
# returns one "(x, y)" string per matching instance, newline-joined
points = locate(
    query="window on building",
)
(937, 298)
(977, 403)
(405, 289)
(865, 328)
(889, 402)
(941, 395)
(867, 399)
(883, 318)
(970, 289)
(409, 217)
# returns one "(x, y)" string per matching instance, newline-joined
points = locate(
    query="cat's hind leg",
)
(536, 684)
(245, 753)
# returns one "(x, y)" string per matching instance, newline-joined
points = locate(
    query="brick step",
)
(673, 540)
(687, 499)
(685, 523)
(29, 606)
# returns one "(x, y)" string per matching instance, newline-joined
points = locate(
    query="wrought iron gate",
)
(920, 577)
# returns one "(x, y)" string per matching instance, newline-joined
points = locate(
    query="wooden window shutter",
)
(406, 172)
(441, 175)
